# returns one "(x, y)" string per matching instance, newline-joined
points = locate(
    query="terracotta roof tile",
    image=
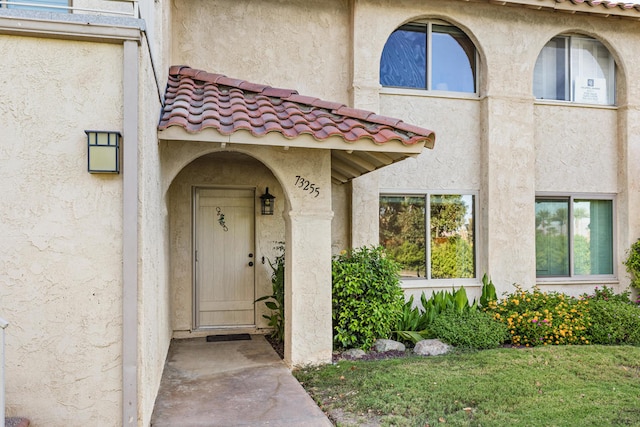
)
(195, 100)
(596, 4)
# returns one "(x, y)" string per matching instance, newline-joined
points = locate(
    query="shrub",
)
(614, 322)
(540, 318)
(607, 294)
(367, 298)
(413, 323)
(633, 264)
(472, 329)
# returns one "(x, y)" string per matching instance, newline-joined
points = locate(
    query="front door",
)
(224, 291)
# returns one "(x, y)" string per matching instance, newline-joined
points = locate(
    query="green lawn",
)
(543, 386)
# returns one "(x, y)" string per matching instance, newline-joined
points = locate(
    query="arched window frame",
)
(560, 75)
(430, 28)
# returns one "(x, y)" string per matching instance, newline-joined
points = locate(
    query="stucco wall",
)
(60, 269)
(504, 144)
(296, 44)
(154, 331)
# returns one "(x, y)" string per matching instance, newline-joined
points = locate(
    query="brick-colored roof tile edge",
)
(413, 134)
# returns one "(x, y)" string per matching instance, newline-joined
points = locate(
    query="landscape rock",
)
(388, 345)
(354, 353)
(431, 348)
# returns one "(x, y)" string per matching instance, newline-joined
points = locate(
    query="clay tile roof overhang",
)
(201, 106)
(604, 8)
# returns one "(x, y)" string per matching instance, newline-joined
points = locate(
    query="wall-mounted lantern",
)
(267, 201)
(103, 154)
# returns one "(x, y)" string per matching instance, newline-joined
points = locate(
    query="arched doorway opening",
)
(221, 244)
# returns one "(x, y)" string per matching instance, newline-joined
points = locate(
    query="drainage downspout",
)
(130, 236)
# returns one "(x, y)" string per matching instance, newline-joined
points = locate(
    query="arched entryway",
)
(221, 244)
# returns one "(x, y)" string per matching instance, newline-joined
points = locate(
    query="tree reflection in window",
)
(404, 220)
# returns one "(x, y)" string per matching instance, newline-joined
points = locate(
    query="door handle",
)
(250, 255)
(250, 263)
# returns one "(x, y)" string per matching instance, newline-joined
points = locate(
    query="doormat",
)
(232, 337)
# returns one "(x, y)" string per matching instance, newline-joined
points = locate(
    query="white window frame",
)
(428, 282)
(570, 197)
(570, 78)
(429, 58)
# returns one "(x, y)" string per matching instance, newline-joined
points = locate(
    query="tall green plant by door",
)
(275, 301)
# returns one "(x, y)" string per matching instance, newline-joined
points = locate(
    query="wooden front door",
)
(224, 291)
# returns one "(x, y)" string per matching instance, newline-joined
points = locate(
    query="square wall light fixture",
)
(103, 151)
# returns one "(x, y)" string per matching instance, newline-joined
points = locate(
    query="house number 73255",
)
(307, 185)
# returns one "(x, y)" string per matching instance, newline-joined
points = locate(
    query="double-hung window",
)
(577, 69)
(574, 237)
(431, 56)
(431, 236)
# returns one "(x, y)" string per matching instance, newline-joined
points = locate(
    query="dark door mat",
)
(232, 337)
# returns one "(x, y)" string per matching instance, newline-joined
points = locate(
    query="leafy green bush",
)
(633, 264)
(540, 318)
(471, 329)
(607, 294)
(614, 322)
(413, 324)
(367, 298)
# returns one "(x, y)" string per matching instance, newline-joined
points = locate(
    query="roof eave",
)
(349, 160)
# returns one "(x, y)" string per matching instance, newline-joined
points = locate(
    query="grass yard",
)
(542, 386)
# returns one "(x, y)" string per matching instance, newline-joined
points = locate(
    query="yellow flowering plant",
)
(538, 318)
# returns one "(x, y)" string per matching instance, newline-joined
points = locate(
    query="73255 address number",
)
(307, 185)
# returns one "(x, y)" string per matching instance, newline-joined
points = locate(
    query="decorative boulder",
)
(354, 353)
(388, 345)
(431, 348)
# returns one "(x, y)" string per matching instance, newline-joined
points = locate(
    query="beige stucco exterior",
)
(91, 322)
(61, 228)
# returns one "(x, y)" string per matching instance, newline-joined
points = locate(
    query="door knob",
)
(250, 255)
(251, 264)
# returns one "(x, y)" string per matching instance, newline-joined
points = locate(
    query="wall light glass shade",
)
(103, 151)
(267, 201)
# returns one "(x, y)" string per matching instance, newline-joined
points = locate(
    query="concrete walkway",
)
(233, 383)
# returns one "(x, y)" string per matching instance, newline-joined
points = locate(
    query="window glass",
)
(552, 238)
(574, 237)
(454, 60)
(40, 5)
(404, 61)
(404, 221)
(429, 56)
(593, 237)
(452, 243)
(402, 232)
(578, 69)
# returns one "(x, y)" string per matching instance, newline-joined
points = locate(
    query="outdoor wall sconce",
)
(267, 201)
(103, 154)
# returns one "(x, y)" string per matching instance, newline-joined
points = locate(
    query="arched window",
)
(430, 55)
(577, 69)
